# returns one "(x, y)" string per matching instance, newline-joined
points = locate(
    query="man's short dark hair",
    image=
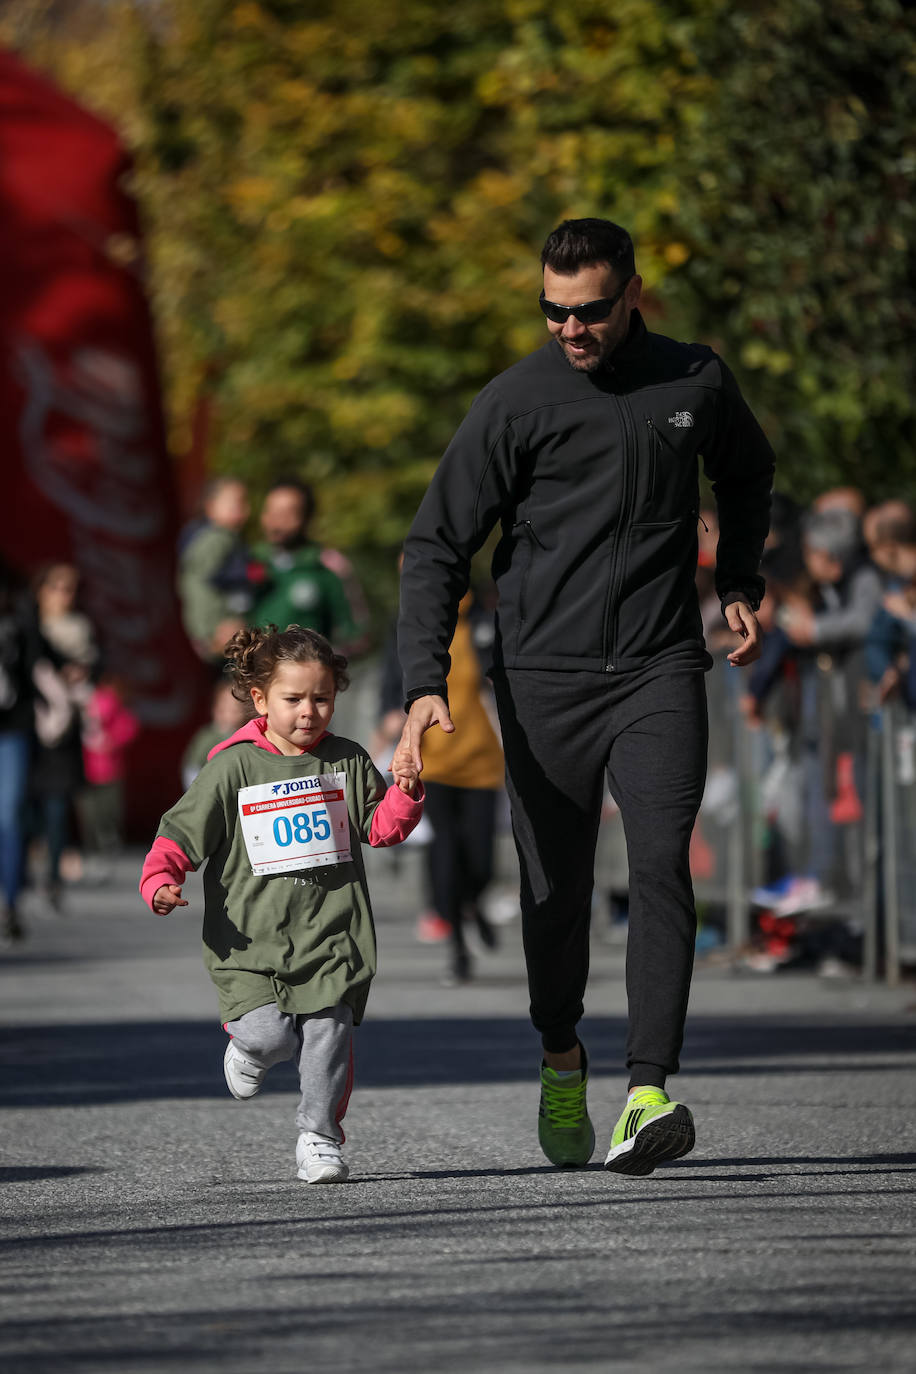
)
(578, 243)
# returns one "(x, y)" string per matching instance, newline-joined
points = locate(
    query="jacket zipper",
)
(522, 596)
(653, 456)
(618, 563)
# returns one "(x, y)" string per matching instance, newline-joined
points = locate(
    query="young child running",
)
(279, 811)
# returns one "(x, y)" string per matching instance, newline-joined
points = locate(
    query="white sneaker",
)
(243, 1076)
(319, 1160)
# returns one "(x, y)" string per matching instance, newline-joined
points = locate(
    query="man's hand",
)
(742, 621)
(167, 897)
(424, 712)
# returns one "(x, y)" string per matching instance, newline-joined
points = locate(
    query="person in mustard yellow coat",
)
(463, 774)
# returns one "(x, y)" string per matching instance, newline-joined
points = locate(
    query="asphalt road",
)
(151, 1223)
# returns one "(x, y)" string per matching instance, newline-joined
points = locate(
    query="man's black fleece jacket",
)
(593, 477)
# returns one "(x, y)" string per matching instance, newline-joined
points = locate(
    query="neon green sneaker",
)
(565, 1132)
(651, 1130)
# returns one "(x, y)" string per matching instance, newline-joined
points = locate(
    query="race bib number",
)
(297, 823)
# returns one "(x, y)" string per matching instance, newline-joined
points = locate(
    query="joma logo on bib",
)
(283, 789)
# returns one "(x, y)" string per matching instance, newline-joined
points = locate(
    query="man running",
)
(586, 452)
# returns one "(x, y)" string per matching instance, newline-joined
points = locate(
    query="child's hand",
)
(404, 770)
(167, 897)
(406, 780)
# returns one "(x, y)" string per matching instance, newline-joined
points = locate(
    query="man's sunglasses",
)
(590, 312)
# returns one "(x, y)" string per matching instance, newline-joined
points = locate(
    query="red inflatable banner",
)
(86, 476)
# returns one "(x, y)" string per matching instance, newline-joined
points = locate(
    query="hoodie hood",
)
(251, 733)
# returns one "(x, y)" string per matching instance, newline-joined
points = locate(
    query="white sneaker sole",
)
(242, 1092)
(327, 1173)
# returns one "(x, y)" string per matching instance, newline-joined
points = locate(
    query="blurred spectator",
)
(340, 565)
(841, 498)
(63, 628)
(848, 588)
(463, 774)
(881, 529)
(66, 652)
(431, 928)
(302, 589)
(821, 633)
(890, 649)
(217, 579)
(108, 727)
(784, 541)
(17, 655)
(227, 716)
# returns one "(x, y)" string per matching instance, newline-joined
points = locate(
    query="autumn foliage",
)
(345, 202)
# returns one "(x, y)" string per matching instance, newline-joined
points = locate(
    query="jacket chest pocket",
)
(671, 469)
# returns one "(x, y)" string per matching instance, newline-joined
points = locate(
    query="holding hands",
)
(404, 771)
(407, 764)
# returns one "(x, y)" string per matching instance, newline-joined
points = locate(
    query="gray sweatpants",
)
(322, 1045)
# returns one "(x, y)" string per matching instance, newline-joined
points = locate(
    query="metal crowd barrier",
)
(891, 887)
(754, 823)
(777, 803)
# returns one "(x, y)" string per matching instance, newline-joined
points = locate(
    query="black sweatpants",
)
(648, 731)
(460, 857)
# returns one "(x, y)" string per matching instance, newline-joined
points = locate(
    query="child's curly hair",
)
(253, 656)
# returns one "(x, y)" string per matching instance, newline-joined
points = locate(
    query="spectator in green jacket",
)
(302, 590)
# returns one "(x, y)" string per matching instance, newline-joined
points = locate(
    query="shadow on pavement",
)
(29, 1173)
(889, 1161)
(139, 1061)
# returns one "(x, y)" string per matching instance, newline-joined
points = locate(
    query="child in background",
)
(216, 577)
(279, 813)
(108, 728)
(890, 648)
(228, 715)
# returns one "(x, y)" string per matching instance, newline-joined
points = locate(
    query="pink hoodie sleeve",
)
(165, 863)
(396, 815)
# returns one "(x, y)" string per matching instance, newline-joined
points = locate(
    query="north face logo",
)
(681, 419)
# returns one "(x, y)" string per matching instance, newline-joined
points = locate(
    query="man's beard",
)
(287, 542)
(592, 362)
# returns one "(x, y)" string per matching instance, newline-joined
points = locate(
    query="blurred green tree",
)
(346, 202)
(345, 207)
(798, 213)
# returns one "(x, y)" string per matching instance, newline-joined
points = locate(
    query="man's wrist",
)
(436, 690)
(742, 596)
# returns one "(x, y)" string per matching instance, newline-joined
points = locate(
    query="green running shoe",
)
(651, 1130)
(566, 1135)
